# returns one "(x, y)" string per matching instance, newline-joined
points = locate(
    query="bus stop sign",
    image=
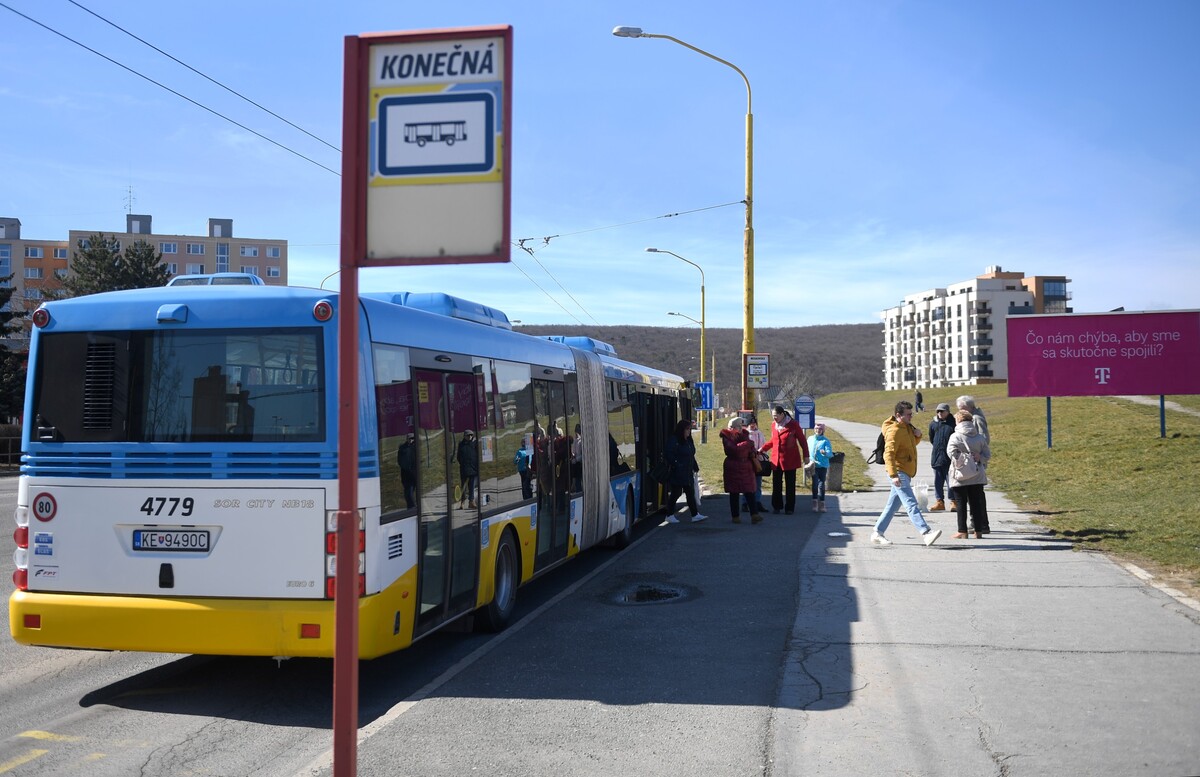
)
(806, 411)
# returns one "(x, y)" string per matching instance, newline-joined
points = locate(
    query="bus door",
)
(655, 416)
(552, 463)
(449, 530)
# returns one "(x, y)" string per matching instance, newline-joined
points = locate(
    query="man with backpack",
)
(900, 461)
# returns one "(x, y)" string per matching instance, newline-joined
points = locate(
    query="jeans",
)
(901, 493)
(940, 476)
(818, 483)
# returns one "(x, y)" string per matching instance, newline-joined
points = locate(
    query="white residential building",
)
(956, 336)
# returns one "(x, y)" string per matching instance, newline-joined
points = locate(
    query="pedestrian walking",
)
(681, 471)
(738, 470)
(900, 460)
(789, 452)
(969, 454)
(919, 401)
(940, 429)
(821, 449)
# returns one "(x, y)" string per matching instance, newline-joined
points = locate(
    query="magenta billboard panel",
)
(1104, 354)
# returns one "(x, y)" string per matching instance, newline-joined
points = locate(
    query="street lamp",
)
(703, 427)
(748, 235)
(703, 436)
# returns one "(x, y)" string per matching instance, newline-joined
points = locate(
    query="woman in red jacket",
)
(789, 451)
(738, 471)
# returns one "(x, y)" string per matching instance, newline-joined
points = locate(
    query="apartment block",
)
(38, 265)
(956, 336)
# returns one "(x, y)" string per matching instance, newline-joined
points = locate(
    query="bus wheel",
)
(450, 141)
(623, 539)
(496, 615)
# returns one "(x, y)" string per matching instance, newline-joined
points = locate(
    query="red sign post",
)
(426, 179)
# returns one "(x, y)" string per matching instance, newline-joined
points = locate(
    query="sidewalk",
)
(1012, 654)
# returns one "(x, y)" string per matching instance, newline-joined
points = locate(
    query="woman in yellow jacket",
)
(900, 439)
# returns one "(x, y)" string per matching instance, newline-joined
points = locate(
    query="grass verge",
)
(1109, 482)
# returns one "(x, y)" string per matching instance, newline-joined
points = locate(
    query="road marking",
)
(32, 755)
(48, 737)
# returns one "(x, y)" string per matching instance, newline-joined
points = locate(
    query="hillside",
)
(815, 360)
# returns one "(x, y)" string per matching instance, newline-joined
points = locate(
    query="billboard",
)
(1104, 354)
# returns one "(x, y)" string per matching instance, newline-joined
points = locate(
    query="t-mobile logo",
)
(1102, 374)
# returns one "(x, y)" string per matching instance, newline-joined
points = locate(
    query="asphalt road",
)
(791, 647)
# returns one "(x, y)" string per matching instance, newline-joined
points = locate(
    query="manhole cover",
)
(651, 594)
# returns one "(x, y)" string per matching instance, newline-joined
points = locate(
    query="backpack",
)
(876, 456)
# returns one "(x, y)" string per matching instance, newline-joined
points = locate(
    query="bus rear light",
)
(310, 631)
(33, 621)
(323, 311)
(21, 536)
(331, 542)
(331, 587)
(41, 317)
(21, 579)
(21, 516)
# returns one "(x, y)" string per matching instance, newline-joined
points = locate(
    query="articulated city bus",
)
(178, 485)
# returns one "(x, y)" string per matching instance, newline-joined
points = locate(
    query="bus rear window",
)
(262, 385)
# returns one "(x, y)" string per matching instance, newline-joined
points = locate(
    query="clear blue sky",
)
(899, 146)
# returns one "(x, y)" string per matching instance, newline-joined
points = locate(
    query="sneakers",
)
(879, 539)
(672, 519)
(931, 536)
(698, 517)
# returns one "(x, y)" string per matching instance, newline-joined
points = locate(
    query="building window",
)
(249, 251)
(34, 272)
(272, 272)
(222, 257)
(250, 269)
(34, 252)
(168, 248)
(33, 293)
(173, 268)
(272, 252)
(61, 274)
(195, 269)
(60, 253)
(196, 249)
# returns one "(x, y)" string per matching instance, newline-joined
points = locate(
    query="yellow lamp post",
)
(748, 235)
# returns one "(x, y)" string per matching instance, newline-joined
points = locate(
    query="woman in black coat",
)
(681, 469)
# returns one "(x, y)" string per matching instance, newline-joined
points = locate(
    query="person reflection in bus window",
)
(468, 469)
(523, 461)
(577, 460)
(562, 462)
(406, 457)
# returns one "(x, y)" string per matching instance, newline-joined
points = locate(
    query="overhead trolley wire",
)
(169, 89)
(203, 75)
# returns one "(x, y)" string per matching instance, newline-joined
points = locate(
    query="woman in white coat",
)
(969, 455)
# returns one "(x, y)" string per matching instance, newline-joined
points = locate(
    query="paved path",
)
(1011, 655)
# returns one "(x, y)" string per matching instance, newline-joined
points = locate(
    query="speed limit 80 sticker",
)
(44, 507)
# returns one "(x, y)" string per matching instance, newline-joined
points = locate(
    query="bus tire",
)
(498, 612)
(625, 538)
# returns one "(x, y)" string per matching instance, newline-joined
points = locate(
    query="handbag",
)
(764, 464)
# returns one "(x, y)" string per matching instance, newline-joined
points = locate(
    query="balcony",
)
(981, 357)
(981, 342)
(981, 323)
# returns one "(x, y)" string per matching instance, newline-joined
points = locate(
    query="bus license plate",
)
(185, 540)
